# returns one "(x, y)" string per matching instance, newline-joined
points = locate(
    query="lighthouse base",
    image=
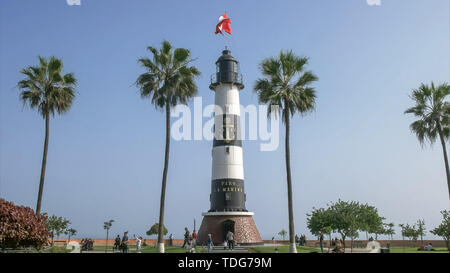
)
(219, 223)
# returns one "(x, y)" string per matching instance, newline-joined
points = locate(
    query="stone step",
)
(230, 251)
(235, 248)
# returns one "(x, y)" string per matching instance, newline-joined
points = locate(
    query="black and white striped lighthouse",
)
(227, 200)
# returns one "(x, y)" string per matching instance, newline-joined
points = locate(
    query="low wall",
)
(313, 243)
(363, 243)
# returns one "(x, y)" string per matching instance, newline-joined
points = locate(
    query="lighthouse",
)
(227, 199)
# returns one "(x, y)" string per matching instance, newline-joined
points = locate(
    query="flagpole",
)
(226, 42)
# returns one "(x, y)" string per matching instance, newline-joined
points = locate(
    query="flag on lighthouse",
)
(223, 24)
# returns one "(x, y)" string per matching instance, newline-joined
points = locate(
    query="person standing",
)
(321, 241)
(186, 237)
(194, 238)
(209, 243)
(171, 240)
(230, 240)
(138, 243)
(125, 242)
(117, 242)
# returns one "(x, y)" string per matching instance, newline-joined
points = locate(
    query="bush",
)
(21, 227)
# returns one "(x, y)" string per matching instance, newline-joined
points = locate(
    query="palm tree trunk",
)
(107, 235)
(444, 148)
(292, 246)
(160, 247)
(44, 164)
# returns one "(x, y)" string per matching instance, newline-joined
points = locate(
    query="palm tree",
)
(433, 111)
(286, 84)
(168, 81)
(48, 90)
(70, 232)
(107, 226)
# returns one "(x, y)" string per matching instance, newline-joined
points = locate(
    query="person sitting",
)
(338, 247)
(429, 247)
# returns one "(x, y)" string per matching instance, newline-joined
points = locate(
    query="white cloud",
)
(374, 2)
(73, 2)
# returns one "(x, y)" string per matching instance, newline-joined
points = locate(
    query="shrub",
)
(21, 227)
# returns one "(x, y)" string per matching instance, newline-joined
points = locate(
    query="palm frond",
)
(286, 84)
(433, 111)
(46, 89)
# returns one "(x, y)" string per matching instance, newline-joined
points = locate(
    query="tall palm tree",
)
(433, 110)
(46, 89)
(168, 81)
(286, 84)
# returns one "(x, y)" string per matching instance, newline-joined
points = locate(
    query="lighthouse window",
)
(227, 150)
(229, 129)
(227, 196)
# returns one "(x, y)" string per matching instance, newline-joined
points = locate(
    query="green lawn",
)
(305, 249)
(54, 249)
(399, 249)
(283, 249)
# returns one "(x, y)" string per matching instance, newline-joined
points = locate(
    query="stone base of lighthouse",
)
(219, 223)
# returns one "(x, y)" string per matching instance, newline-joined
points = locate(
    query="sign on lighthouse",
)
(227, 200)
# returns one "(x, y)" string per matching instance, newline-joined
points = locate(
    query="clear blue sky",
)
(106, 155)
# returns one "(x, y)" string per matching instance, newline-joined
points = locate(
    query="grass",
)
(54, 249)
(399, 249)
(306, 249)
(283, 249)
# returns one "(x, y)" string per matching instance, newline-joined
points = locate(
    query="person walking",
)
(230, 240)
(125, 242)
(138, 243)
(209, 243)
(186, 237)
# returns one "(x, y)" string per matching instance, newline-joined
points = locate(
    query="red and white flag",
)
(223, 24)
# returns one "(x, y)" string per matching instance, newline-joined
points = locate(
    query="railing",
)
(226, 77)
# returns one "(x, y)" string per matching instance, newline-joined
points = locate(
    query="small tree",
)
(319, 221)
(70, 232)
(403, 231)
(57, 225)
(421, 229)
(154, 230)
(345, 218)
(389, 230)
(282, 233)
(443, 230)
(107, 225)
(410, 232)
